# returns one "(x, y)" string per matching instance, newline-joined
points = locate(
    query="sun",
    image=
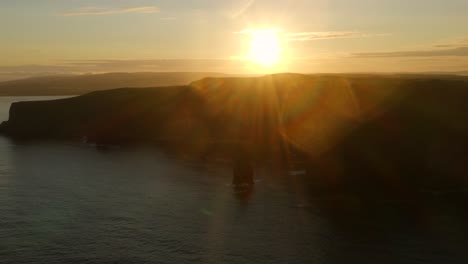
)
(265, 47)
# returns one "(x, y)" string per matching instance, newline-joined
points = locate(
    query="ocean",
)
(68, 202)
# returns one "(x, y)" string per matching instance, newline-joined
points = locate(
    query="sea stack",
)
(243, 171)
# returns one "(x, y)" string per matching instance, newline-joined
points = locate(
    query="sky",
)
(43, 37)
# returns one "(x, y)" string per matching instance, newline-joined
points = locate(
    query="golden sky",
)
(41, 37)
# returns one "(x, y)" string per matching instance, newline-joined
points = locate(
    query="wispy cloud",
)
(455, 48)
(96, 11)
(308, 36)
(253, 31)
(454, 44)
(246, 5)
(461, 51)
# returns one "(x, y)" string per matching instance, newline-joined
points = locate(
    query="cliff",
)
(354, 131)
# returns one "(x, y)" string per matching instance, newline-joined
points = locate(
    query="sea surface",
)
(68, 202)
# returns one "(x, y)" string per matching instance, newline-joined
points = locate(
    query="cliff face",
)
(114, 116)
(419, 141)
(350, 130)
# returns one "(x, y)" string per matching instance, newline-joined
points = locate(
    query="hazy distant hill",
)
(80, 84)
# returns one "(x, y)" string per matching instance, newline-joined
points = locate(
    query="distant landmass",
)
(364, 133)
(80, 84)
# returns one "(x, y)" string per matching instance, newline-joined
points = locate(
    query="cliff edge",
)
(385, 130)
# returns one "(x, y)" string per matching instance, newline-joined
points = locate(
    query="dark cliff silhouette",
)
(352, 133)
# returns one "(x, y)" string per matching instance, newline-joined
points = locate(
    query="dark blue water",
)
(71, 203)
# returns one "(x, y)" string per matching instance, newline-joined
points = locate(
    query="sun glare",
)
(265, 47)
